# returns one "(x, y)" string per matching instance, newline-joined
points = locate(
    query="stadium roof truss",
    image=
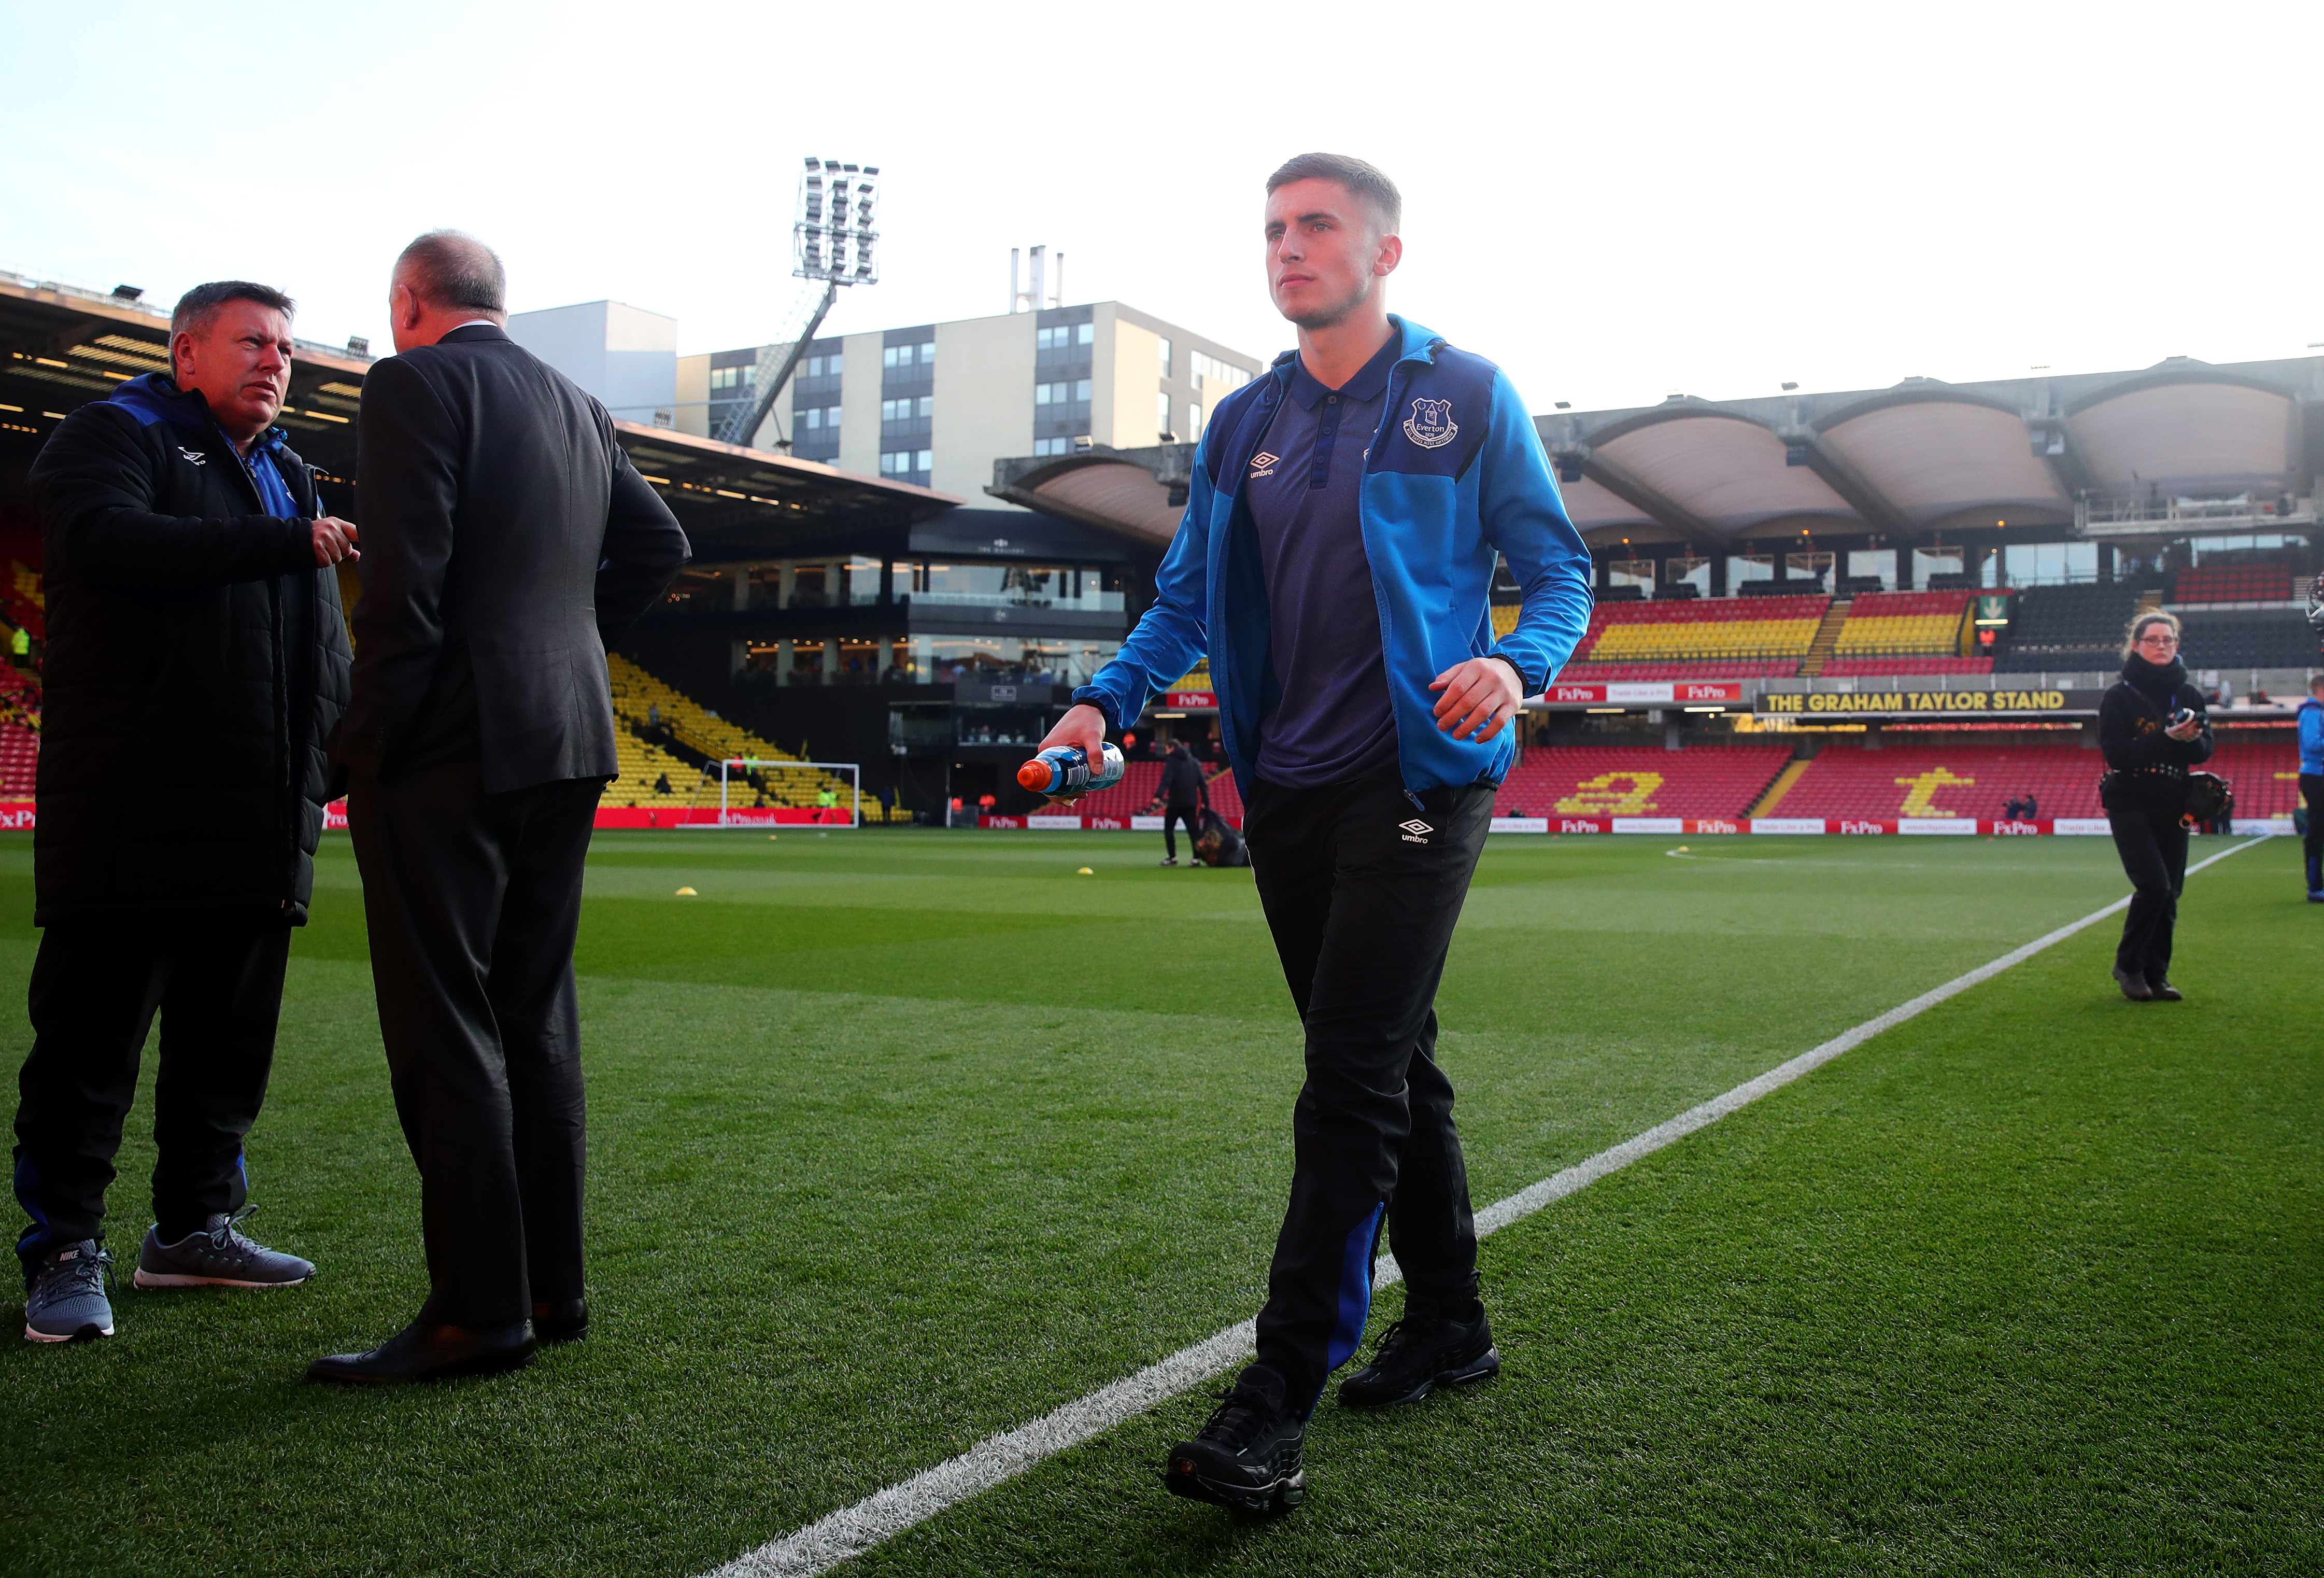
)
(60, 348)
(2184, 446)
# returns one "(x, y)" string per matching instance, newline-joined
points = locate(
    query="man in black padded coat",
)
(194, 639)
(510, 542)
(1182, 794)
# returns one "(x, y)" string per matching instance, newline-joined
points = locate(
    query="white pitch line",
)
(850, 1531)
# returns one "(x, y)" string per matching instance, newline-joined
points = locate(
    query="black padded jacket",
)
(1181, 783)
(197, 661)
(2146, 770)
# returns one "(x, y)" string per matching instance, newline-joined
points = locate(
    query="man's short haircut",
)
(1365, 182)
(450, 268)
(198, 305)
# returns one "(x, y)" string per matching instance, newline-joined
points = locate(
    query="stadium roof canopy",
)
(2179, 447)
(60, 346)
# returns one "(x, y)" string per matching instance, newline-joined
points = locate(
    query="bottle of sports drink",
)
(1062, 773)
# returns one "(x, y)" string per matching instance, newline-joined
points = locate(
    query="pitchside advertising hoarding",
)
(17, 816)
(1610, 695)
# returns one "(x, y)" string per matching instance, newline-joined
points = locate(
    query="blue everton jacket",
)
(1455, 474)
(2312, 737)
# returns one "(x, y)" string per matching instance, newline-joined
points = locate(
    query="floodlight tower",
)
(833, 241)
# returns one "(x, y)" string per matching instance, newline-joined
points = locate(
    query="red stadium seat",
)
(1965, 776)
(1639, 780)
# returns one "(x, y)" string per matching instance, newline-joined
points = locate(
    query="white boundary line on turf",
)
(853, 1530)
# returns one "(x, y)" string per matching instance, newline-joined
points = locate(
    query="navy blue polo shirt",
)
(1333, 722)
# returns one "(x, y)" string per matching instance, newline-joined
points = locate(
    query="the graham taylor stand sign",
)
(1930, 703)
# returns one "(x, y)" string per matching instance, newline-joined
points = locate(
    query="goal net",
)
(756, 792)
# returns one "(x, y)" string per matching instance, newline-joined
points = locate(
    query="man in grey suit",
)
(508, 543)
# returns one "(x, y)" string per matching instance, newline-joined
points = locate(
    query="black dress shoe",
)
(2134, 985)
(562, 1320)
(2163, 991)
(424, 1351)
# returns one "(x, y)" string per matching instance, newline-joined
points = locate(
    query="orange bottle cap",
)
(1034, 774)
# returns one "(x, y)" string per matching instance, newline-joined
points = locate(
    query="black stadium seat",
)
(2067, 629)
(2261, 639)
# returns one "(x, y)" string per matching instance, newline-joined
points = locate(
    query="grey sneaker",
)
(66, 1302)
(218, 1256)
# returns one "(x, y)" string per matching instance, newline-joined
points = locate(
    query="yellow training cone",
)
(1085, 871)
(687, 893)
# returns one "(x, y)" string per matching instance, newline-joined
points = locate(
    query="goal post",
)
(755, 791)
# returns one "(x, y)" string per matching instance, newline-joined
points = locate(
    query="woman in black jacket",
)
(2152, 728)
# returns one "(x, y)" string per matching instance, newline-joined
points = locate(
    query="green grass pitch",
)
(899, 1139)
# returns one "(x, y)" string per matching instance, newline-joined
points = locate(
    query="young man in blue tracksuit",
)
(1333, 565)
(2311, 784)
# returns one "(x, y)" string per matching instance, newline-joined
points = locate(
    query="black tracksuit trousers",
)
(1362, 889)
(2152, 845)
(2311, 791)
(474, 901)
(216, 978)
(1172, 818)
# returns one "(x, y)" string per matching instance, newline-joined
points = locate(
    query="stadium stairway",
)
(1766, 804)
(1827, 638)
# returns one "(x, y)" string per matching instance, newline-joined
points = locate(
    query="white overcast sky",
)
(1614, 201)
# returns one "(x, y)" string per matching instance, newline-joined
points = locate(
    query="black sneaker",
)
(1248, 1455)
(1418, 1354)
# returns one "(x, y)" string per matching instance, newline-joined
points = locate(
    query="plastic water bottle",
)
(1062, 773)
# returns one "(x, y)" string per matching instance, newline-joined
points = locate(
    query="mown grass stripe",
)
(853, 1530)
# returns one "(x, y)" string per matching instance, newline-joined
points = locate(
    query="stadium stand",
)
(23, 602)
(1845, 668)
(1964, 778)
(1638, 781)
(1139, 784)
(1226, 800)
(2067, 629)
(1897, 624)
(19, 696)
(2258, 639)
(2264, 766)
(1628, 673)
(694, 726)
(20, 759)
(2237, 584)
(1721, 630)
(644, 766)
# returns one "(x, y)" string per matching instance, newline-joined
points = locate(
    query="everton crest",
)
(1430, 425)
